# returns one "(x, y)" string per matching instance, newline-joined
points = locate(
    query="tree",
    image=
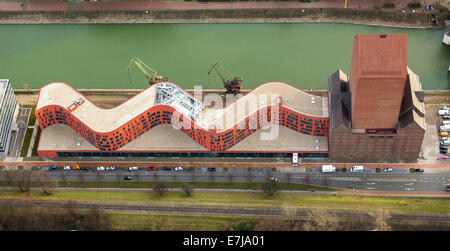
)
(249, 175)
(193, 176)
(307, 179)
(288, 177)
(63, 176)
(321, 220)
(381, 216)
(98, 175)
(46, 183)
(212, 176)
(187, 189)
(155, 176)
(160, 188)
(230, 177)
(22, 179)
(174, 176)
(268, 175)
(80, 175)
(118, 176)
(270, 187)
(96, 220)
(325, 182)
(137, 176)
(290, 211)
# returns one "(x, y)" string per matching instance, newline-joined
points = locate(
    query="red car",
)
(150, 168)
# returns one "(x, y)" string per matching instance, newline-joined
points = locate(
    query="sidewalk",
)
(393, 194)
(175, 5)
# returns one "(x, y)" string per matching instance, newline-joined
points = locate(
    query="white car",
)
(178, 168)
(100, 168)
(274, 178)
(133, 168)
(387, 170)
(67, 167)
(108, 168)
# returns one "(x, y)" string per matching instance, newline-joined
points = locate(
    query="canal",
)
(303, 54)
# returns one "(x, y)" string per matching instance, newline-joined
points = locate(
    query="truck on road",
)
(328, 169)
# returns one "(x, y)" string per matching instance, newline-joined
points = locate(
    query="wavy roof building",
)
(273, 118)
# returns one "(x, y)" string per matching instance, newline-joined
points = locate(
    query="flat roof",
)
(381, 55)
(165, 138)
(165, 93)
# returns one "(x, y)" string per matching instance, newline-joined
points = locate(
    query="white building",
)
(9, 109)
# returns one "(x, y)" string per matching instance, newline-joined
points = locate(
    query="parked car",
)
(100, 168)
(85, 168)
(444, 134)
(446, 116)
(179, 168)
(36, 168)
(211, 169)
(419, 170)
(166, 168)
(151, 168)
(110, 168)
(67, 167)
(52, 168)
(357, 169)
(444, 138)
(76, 167)
(273, 178)
(388, 170)
(133, 168)
(443, 147)
(127, 177)
(443, 151)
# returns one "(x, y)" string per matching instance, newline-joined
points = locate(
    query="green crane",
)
(233, 84)
(152, 77)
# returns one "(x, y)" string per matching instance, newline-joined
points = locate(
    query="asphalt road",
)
(396, 181)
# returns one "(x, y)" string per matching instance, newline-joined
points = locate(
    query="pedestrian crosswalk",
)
(345, 178)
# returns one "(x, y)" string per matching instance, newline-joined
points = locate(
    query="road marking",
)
(409, 184)
(370, 188)
(371, 183)
(345, 178)
(409, 188)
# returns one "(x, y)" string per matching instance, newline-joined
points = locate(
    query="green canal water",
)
(303, 54)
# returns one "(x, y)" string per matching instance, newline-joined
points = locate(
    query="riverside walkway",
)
(175, 5)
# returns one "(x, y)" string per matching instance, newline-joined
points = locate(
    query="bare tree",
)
(268, 175)
(22, 179)
(307, 179)
(381, 216)
(230, 177)
(193, 176)
(137, 176)
(187, 189)
(288, 177)
(321, 220)
(80, 175)
(270, 187)
(325, 182)
(290, 211)
(174, 176)
(46, 183)
(212, 176)
(160, 188)
(98, 175)
(249, 175)
(118, 176)
(63, 176)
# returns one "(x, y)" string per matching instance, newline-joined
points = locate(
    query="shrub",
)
(389, 5)
(414, 5)
(244, 226)
(270, 187)
(344, 170)
(187, 189)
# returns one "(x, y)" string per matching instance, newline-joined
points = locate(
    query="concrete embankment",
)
(269, 15)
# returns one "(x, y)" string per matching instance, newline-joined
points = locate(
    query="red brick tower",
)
(377, 80)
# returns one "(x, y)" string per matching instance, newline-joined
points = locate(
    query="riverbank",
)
(268, 15)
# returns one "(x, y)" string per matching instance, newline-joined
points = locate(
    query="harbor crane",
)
(152, 77)
(233, 84)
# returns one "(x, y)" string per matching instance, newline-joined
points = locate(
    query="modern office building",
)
(379, 112)
(274, 119)
(8, 112)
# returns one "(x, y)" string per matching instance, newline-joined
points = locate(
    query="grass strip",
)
(246, 199)
(26, 142)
